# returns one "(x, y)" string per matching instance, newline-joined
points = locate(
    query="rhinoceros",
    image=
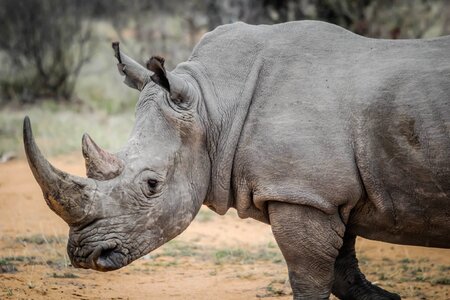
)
(320, 133)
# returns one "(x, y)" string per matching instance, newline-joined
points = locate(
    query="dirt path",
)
(216, 258)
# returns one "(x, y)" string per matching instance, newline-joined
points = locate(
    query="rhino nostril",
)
(106, 253)
(108, 258)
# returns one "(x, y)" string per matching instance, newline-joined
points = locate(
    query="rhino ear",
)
(136, 76)
(180, 91)
(156, 65)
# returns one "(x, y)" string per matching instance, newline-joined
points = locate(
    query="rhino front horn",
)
(100, 164)
(70, 197)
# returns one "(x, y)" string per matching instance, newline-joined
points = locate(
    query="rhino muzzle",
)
(104, 257)
(69, 196)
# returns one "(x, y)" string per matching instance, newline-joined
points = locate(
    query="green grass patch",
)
(382, 276)
(441, 280)
(406, 261)
(7, 267)
(180, 249)
(65, 275)
(205, 216)
(421, 278)
(274, 291)
(236, 255)
(269, 254)
(276, 288)
(272, 245)
(23, 259)
(59, 130)
(40, 239)
(219, 256)
(9, 292)
(157, 263)
(444, 268)
(241, 256)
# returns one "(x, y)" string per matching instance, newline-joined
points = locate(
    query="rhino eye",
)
(150, 186)
(152, 183)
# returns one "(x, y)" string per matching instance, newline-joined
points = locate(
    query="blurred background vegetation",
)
(58, 67)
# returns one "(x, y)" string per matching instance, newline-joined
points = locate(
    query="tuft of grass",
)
(444, 268)
(9, 292)
(424, 259)
(219, 256)
(205, 216)
(270, 254)
(363, 260)
(272, 245)
(161, 263)
(29, 260)
(57, 262)
(421, 278)
(65, 275)
(382, 276)
(273, 291)
(6, 266)
(241, 256)
(247, 276)
(179, 249)
(40, 239)
(406, 261)
(235, 255)
(276, 288)
(441, 280)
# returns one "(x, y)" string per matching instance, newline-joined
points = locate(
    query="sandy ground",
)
(216, 258)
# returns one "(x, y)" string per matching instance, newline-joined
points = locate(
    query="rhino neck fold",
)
(226, 101)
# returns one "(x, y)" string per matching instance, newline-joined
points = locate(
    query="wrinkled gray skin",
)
(323, 134)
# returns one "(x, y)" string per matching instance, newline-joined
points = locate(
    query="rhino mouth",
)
(103, 258)
(109, 260)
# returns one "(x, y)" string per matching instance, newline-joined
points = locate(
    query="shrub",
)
(44, 44)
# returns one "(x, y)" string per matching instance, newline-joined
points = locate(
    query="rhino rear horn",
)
(67, 195)
(100, 164)
(136, 76)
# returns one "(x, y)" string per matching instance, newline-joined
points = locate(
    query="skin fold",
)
(323, 134)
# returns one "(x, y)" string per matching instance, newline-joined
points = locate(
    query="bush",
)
(44, 44)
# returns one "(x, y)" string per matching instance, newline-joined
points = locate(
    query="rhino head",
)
(141, 197)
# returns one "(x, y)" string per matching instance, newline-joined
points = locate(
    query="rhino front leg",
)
(310, 241)
(350, 283)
